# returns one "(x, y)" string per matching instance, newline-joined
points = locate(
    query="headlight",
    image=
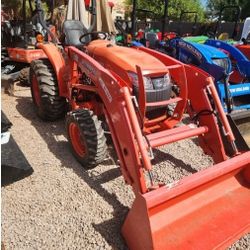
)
(151, 83)
(134, 79)
(161, 82)
(157, 89)
(222, 62)
(147, 83)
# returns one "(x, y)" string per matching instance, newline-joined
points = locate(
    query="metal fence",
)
(187, 27)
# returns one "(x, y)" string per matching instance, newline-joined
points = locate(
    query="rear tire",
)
(86, 137)
(45, 91)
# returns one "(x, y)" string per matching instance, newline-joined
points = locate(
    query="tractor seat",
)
(73, 30)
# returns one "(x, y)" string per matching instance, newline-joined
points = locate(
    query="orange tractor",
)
(19, 38)
(141, 95)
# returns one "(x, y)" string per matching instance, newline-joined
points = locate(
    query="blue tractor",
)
(222, 64)
(219, 59)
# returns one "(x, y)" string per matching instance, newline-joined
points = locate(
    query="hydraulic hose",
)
(227, 96)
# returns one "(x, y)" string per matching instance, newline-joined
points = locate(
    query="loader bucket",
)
(207, 210)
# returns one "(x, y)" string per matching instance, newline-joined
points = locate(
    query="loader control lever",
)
(94, 35)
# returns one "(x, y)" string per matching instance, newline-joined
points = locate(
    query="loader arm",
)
(193, 213)
(197, 80)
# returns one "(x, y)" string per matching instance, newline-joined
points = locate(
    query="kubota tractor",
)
(19, 38)
(141, 96)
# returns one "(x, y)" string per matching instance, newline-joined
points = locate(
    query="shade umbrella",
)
(76, 11)
(105, 21)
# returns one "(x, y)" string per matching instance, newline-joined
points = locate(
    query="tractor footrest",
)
(164, 137)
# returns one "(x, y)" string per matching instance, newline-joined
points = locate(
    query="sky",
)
(204, 2)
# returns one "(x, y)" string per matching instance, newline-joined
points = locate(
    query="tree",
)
(174, 9)
(214, 7)
(14, 8)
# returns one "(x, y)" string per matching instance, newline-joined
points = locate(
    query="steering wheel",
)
(92, 33)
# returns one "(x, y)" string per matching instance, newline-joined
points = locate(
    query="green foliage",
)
(215, 6)
(14, 8)
(174, 9)
(245, 4)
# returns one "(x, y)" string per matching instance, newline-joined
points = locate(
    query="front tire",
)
(45, 91)
(86, 137)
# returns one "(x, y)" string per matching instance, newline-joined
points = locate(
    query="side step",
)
(172, 135)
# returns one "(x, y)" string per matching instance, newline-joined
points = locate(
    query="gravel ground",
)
(63, 206)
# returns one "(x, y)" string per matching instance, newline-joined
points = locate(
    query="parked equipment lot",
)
(63, 206)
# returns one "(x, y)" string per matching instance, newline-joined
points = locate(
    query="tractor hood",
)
(208, 51)
(210, 59)
(118, 58)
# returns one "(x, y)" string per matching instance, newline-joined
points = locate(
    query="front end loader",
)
(140, 96)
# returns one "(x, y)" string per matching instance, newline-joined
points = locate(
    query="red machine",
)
(245, 38)
(245, 49)
(141, 95)
(19, 38)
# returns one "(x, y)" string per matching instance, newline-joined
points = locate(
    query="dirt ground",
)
(63, 206)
